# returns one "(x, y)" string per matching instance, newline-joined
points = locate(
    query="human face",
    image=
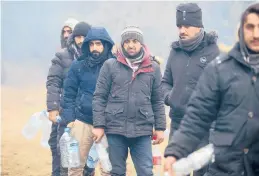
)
(132, 46)
(96, 47)
(251, 32)
(66, 32)
(188, 32)
(79, 40)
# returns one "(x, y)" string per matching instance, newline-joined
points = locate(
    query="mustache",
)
(182, 35)
(129, 48)
(80, 44)
(95, 52)
(255, 40)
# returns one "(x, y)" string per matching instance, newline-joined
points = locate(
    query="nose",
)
(131, 44)
(182, 30)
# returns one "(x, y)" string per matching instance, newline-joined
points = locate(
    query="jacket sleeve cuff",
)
(160, 129)
(99, 126)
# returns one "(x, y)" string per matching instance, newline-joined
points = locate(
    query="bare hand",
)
(53, 115)
(168, 165)
(159, 137)
(97, 134)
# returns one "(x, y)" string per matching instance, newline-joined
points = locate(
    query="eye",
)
(249, 26)
(127, 41)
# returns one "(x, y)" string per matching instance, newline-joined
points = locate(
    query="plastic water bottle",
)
(33, 126)
(73, 153)
(46, 129)
(102, 150)
(157, 158)
(92, 158)
(64, 143)
(194, 161)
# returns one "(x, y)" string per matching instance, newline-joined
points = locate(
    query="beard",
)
(95, 54)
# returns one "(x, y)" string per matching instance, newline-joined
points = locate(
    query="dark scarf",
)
(76, 51)
(136, 58)
(191, 44)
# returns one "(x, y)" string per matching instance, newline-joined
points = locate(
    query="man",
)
(66, 30)
(228, 92)
(187, 60)
(127, 104)
(57, 74)
(79, 88)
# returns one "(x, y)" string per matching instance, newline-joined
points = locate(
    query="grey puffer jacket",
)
(127, 103)
(57, 73)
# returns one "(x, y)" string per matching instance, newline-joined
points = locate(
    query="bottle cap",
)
(154, 137)
(67, 129)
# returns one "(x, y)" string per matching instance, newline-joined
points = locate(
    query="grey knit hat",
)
(132, 32)
(189, 14)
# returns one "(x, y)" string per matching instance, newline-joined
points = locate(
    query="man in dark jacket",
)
(228, 92)
(188, 58)
(57, 74)
(128, 103)
(79, 88)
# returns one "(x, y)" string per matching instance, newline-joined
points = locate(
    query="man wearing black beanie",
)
(56, 76)
(189, 56)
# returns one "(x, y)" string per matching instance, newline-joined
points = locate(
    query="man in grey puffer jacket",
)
(57, 74)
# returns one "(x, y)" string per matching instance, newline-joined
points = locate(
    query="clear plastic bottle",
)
(46, 129)
(64, 144)
(92, 158)
(33, 126)
(194, 161)
(102, 150)
(157, 159)
(73, 153)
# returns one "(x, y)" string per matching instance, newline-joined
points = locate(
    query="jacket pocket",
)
(85, 104)
(114, 115)
(146, 117)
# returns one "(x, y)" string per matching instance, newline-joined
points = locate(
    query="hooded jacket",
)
(70, 22)
(81, 81)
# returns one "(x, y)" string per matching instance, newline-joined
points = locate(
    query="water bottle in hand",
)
(64, 143)
(102, 150)
(46, 129)
(157, 158)
(194, 161)
(32, 127)
(92, 158)
(73, 153)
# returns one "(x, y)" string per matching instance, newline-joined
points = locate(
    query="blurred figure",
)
(228, 93)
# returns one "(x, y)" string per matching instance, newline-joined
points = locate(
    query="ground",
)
(22, 157)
